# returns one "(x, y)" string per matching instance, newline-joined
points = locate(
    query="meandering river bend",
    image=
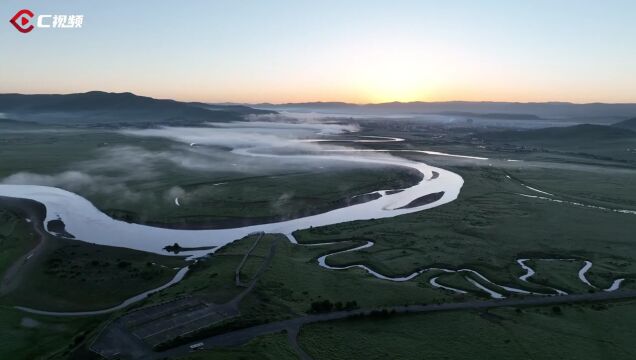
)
(85, 222)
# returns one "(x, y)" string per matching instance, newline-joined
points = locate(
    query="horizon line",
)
(327, 102)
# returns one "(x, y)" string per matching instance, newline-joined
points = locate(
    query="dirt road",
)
(36, 213)
(242, 336)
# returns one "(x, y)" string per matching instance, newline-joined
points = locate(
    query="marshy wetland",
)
(362, 218)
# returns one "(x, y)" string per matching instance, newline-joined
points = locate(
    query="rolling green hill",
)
(627, 124)
(569, 134)
(112, 109)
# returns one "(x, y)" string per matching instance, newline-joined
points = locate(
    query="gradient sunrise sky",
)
(354, 51)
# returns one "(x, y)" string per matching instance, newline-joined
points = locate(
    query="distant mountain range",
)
(512, 110)
(98, 108)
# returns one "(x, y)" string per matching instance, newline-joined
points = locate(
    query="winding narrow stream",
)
(434, 281)
(87, 223)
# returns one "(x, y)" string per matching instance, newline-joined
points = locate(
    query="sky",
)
(252, 51)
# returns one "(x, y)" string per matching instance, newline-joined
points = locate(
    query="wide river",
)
(87, 223)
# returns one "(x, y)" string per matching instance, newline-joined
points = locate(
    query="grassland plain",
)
(76, 276)
(294, 281)
(51, 150)
(50, 282)
(16, 238)
(27, 336)
(563, 332)
(71, 275)
(587, 141)
(487, 228)
(291, 283)
(580, 331)
(490, 225)
(213, 278)
(210, 196)
(562, 274)
(486, 142)
(242, 200)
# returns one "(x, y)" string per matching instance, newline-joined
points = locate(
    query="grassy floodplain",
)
(100, 163)
(586, 331)
(486, 229)
(291, 283)
(27, 336)
(75, 275)
(491, 225)
(16, 238)
(566, 332)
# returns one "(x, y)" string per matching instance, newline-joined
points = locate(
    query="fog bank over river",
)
(250, 140)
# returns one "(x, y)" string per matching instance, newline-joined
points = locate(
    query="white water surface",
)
(87, 223)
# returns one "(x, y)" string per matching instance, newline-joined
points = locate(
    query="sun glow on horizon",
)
(363, 52)
(396, 85)
(390, 70)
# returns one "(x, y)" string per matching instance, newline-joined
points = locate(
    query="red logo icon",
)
(21, 19)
